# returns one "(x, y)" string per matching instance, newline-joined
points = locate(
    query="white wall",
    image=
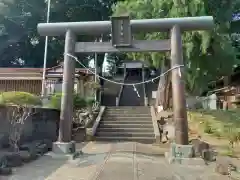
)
(58, 87)
(209, 102)
(132, 65)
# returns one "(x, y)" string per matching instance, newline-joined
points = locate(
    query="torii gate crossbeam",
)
(143, 25)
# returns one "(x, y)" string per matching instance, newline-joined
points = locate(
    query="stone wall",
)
(41, 124)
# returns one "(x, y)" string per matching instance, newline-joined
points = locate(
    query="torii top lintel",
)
(143, 25)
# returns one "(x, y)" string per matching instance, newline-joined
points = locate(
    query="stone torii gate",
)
(121, 29)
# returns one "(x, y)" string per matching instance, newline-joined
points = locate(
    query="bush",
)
(232, 134)
(92, 85)
(208, 128)
(19, 98)
(55, 101)
(79, 102)
(90, 101)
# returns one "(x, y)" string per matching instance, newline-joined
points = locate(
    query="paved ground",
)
(112, 161)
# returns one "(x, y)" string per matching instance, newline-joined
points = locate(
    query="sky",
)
(105, 64)
(236, 17)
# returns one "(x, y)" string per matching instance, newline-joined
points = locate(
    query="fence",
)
(31, 86)
(34, 86)
(208, 102)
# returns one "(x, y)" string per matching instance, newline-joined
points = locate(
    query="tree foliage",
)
(207, 54)
(21, 45)
(114, 60)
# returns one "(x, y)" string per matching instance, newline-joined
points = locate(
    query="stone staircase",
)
(126, 124)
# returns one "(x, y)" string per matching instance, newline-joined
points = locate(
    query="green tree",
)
(26, 47)
(205, 53)
(114, 60)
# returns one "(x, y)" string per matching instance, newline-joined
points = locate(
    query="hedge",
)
(19, 98)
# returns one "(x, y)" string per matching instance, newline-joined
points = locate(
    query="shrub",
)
(79, 102)
(92, 85)
(232, 134)
(208, 128)
(17, 117)
(19, 98)
(90, 101)
(55, 101)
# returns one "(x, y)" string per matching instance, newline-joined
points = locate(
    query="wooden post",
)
(78, 89)
(124, 71)
(65, 125)
(82, 93)
(95, 76)
(179, 100)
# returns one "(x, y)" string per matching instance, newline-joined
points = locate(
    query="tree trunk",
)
(164, 87)
(168, 92)
(100, 60)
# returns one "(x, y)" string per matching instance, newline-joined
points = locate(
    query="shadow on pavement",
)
(41, 168)
(85, 159)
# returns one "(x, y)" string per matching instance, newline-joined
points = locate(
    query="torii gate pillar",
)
(178, 92)
(65, 128)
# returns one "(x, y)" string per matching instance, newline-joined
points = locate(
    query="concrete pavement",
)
(112, 161)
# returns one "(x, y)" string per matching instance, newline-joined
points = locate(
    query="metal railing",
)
(118, 98)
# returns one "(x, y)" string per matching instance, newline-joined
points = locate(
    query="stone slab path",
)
(112, 161)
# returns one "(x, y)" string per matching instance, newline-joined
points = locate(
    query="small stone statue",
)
(202, 149)
(161, 124)
(77, 154)
(225, 166)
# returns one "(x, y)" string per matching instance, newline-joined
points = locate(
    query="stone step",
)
(119, 138)
(134, 119)
(122, 108)
(127, 112)
(125, 134)
(126, 122)
(126, 129)
(117, 125)
(116, 114)
(128, 107)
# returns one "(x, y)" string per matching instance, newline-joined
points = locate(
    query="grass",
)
(220, 128)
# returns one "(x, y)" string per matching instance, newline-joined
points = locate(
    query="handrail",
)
(98, 119)
(155, 125)
(144, 89)
(100, 97)
(120, 91)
